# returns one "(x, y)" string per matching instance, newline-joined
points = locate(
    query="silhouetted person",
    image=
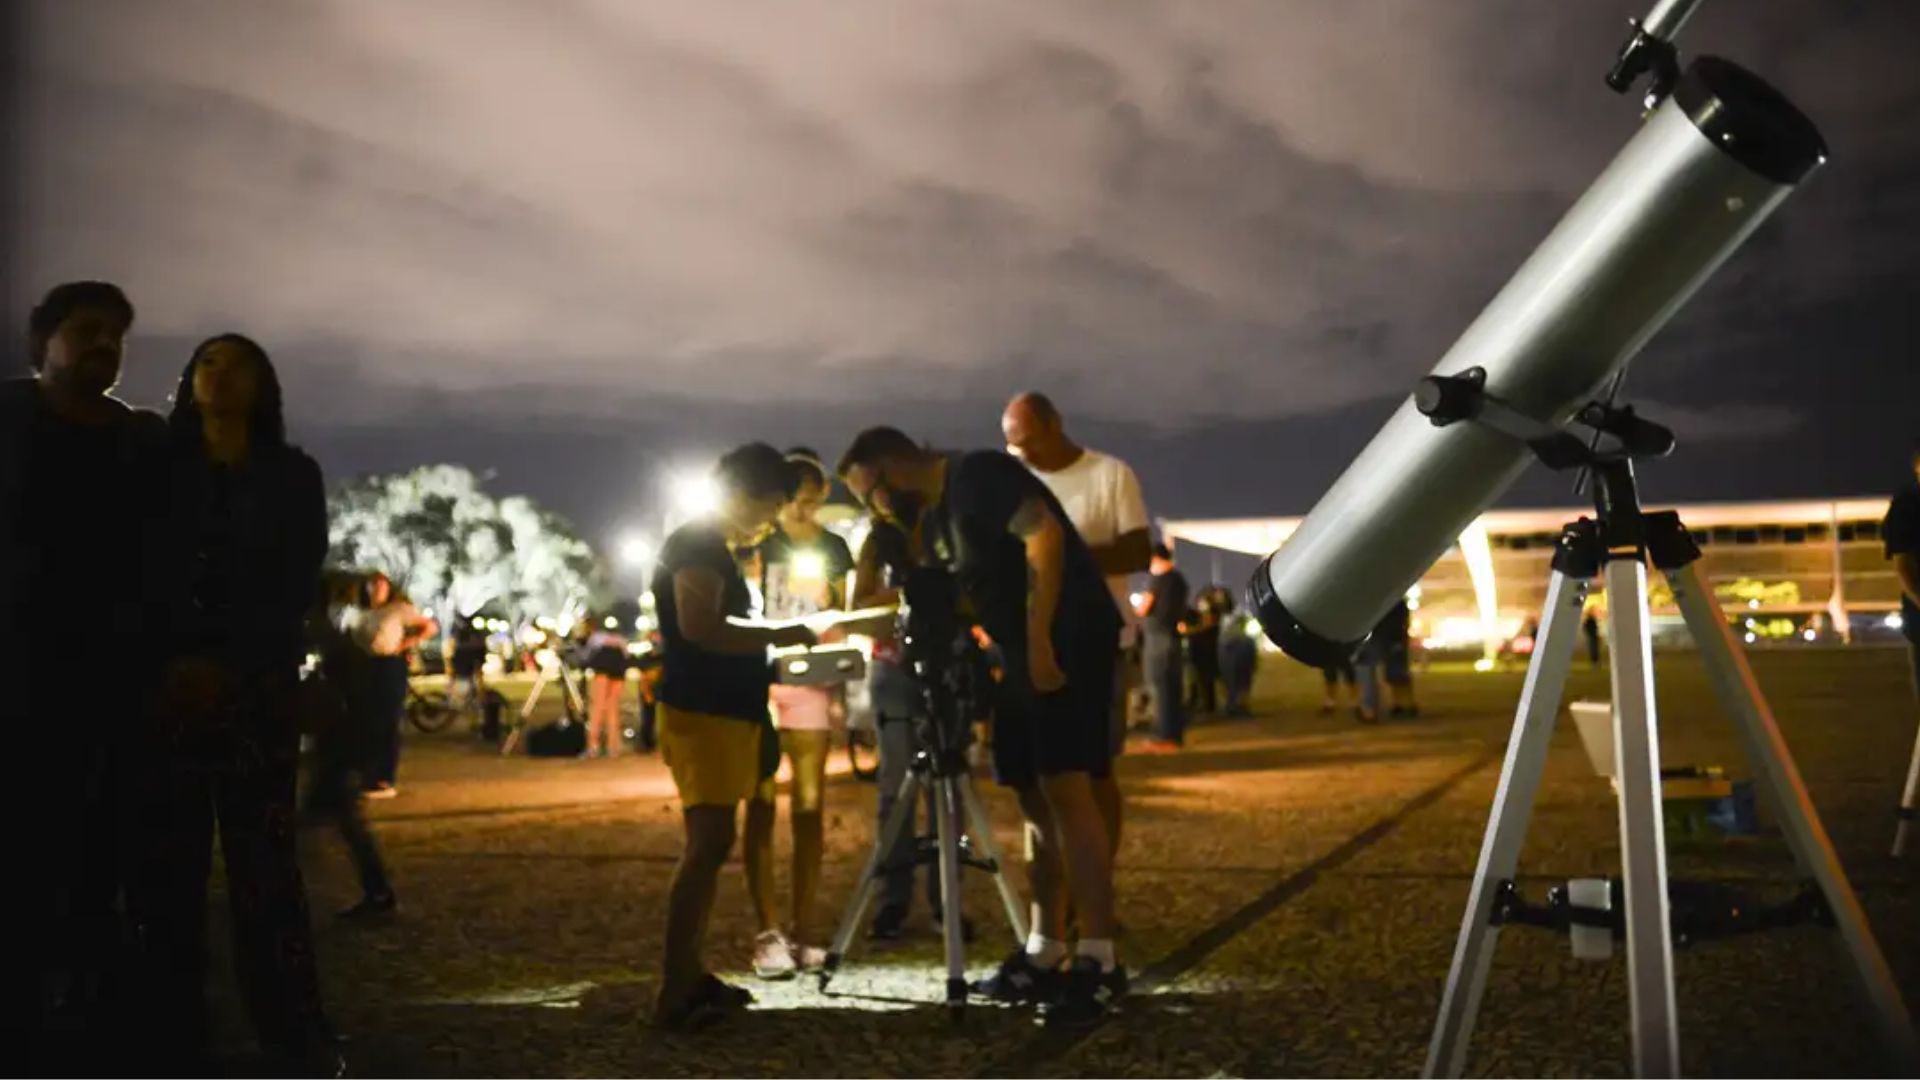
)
(1203, 650)
(1161, 612)
(1385, 656)
(1340, 686)
(343, 748)
(79, 474)
(246, 533)
(1239, 653)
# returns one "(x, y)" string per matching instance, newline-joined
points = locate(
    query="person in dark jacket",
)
(247, 531)
(78, 473)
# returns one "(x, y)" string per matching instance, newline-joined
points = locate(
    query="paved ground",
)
(1291, 888)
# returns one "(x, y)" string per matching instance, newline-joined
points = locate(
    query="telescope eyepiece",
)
(1445, 399)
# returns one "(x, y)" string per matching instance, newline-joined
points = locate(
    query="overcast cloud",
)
(1172, 214)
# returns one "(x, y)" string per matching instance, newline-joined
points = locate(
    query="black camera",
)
(940, 650)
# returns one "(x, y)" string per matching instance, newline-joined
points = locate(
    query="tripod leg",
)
(983, 834)
(872, 878)
(946, 814)
(1740, 696)
(1507, 827)
(1643, 840)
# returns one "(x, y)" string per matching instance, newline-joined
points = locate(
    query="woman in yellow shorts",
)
(714, 730)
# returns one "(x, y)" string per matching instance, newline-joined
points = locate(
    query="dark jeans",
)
(67, 945)
(334, 796)
(1238, 657)
(1161, 659)
(383, 701)
(240, 782)
(1203, 649)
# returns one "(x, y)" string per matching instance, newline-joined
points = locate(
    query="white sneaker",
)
(808, 957)
(773, 956)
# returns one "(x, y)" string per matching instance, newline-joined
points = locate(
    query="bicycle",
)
(433, 711)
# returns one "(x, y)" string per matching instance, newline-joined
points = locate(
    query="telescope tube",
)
(1704, 170)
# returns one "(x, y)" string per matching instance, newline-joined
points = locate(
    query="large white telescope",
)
(1712, 160)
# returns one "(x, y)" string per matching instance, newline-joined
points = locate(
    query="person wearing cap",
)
(81, 474)
(803, 570)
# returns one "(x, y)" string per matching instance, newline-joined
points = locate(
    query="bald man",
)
(1101, 496)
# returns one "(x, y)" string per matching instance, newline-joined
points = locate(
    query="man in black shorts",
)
(1034, 587)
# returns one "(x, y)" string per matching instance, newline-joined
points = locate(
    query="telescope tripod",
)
(1618, 547)
(945, 774)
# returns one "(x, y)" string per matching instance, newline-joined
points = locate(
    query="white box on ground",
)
(1595, 721)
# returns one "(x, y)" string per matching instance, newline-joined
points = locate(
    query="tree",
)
(438, 534)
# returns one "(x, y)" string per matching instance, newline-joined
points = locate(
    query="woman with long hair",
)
(246, 532)
(803, 570)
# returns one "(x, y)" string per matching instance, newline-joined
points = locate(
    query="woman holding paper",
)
(803, 568)
(712, 709)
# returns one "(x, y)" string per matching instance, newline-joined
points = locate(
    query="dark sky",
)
(573, 241)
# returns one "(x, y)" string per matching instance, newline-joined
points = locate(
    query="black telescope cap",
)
(1749, 120)
(1288, 632)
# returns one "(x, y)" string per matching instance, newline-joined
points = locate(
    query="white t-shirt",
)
(1101, 496)
(381, 630)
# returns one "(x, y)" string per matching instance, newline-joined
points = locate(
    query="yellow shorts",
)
(715, 760)
(808, 752)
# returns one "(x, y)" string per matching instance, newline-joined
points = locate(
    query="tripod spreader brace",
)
(1700, 911)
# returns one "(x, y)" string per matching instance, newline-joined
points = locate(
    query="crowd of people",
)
(204, 532)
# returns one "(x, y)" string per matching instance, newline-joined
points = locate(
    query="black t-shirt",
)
(79, 536)
(969, 532)
(1392, 627)
(693, 678)
(803, 577)
(1901, 533)
(1169, 592)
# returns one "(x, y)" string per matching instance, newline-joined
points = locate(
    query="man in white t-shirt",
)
(1101, 496)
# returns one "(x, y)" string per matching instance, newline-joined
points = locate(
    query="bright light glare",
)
(612, 623)
(636, 550)
(1485, 663)
(1751, 638)
(809, 566)
(479, 624)
(1753, 603)
(1894, 621)
(693, 493)
(1808, 634)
